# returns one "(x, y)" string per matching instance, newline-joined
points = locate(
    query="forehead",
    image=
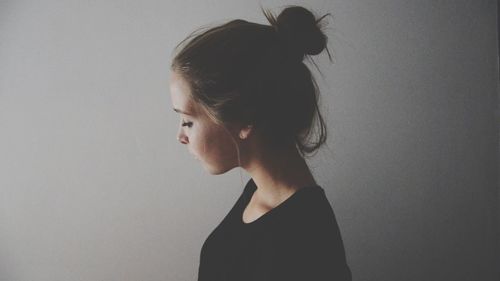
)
(180, 93)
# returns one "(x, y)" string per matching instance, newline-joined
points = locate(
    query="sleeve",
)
(310, 251)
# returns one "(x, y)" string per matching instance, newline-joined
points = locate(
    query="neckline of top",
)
(252, 187)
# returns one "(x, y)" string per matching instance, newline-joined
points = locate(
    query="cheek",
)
(208, 141)
(199, 138)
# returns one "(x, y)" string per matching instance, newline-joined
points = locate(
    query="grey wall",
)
(94, 186)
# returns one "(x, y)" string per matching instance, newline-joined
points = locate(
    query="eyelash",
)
(188, 124)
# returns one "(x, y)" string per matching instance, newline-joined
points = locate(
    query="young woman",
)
(246, 99)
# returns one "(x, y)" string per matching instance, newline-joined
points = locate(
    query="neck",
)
(278, 175)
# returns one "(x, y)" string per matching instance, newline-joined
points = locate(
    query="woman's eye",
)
(188, 124)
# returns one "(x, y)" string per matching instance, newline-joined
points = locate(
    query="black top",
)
(297, 240)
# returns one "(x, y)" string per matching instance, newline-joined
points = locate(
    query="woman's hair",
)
(253, 74)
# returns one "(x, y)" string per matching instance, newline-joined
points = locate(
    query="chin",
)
(218, 170)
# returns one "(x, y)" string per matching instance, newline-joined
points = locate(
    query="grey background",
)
(94, 185)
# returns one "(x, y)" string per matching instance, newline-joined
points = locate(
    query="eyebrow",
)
(180, 111)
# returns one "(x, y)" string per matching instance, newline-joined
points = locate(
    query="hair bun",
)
(299, 30)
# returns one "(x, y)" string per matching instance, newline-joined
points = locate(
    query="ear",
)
(245, 132)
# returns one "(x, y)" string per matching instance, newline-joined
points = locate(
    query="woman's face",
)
(208, 142)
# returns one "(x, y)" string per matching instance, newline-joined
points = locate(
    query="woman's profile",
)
(246, 99)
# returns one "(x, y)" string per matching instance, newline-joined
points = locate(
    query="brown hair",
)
(252, 74)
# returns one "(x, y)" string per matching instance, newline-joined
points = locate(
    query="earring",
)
(244, 135)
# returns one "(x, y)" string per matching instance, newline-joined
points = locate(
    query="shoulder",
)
(306, 243)
(309, 222)
(313, 209)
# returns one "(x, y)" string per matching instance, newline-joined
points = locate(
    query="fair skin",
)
(277, 174)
